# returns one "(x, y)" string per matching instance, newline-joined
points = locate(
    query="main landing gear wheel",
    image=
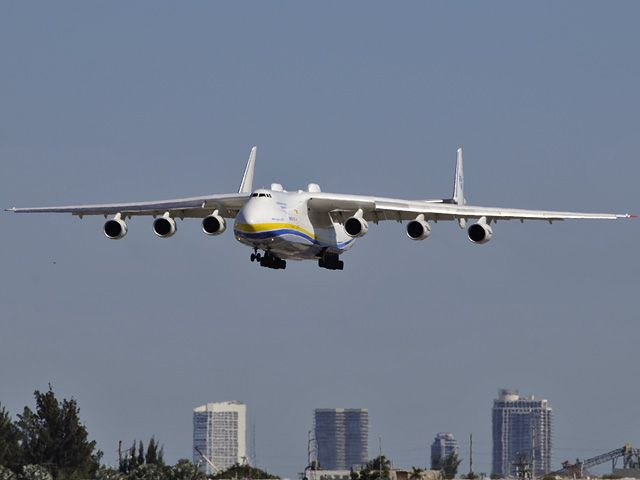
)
(269, 260)
(330, 261)
(255, 256)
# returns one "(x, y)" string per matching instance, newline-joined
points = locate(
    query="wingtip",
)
(12, 209)
(632, 216)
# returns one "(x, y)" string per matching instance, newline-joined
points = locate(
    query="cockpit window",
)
(261, 195)
(254, 194)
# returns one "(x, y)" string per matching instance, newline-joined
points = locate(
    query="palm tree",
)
(416, 473)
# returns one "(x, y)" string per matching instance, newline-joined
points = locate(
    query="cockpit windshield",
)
(261, 195)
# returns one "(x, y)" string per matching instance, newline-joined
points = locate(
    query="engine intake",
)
(418, 229)
(165, 226)
(356, 226)
(115, 229)
(480, 233)
(214, 224)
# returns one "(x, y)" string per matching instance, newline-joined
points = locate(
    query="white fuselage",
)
(281, 223)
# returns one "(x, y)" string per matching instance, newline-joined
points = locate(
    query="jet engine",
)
(115, 229)
(214, 224)
(480, 233)
(418, 229)
(356, 226)
(164, 226)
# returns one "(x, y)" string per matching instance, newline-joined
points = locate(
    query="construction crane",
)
(579, 469)
(208, 460)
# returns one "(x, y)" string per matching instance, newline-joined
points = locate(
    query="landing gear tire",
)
(330, 261)
(269, 260)
(253, 257)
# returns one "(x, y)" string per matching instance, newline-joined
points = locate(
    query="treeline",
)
(51, 443)
(50, 440)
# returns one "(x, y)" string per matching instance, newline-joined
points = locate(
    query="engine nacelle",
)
(480, 233)
(356, 226)
(418, 229)
(213, 224)
(115, 229)
(164, 226)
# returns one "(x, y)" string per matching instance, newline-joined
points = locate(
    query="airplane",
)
(310, 224)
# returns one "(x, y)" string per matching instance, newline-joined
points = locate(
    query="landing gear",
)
(330, 261)
(268, 260)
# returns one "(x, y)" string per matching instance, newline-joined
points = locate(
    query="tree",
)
(9, 446)
(416, 473)
(377, 468)
(54, 437)
(450, 465)
(6, 474)
(243, 471)
(151, 457)
(186, 470)
(140, 460)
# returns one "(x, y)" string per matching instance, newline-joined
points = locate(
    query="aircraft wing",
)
(379, 208)
(194, 207)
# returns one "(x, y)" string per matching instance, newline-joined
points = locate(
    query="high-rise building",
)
(342, 437)
(219, 433)
(443, 445)
(521, 433)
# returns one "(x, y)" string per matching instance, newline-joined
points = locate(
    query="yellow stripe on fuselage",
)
(265, 227)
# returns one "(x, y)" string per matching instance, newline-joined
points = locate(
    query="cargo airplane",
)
(310, 224)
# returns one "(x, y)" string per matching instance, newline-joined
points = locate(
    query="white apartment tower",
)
(521, 434)
(219, 432)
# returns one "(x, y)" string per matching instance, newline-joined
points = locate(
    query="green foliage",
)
(450, 465)
(242, 471)
(6, 474)
(148, 472)
(9, 447)
(416, 473)
(377, 468)
(35, 472)
(140, 459)
(130, 460)
(53, 436)
(106, 473)
(185, 470)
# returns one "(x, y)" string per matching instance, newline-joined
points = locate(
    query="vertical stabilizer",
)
(246, 186)
(458, 181)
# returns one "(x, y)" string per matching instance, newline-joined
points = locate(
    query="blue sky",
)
(120, 101)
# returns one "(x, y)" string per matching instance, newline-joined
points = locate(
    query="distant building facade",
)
(443, 445)
(521, 430)
(342, 437)
(219, 432)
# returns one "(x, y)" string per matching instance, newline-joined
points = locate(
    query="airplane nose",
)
(248, 215)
